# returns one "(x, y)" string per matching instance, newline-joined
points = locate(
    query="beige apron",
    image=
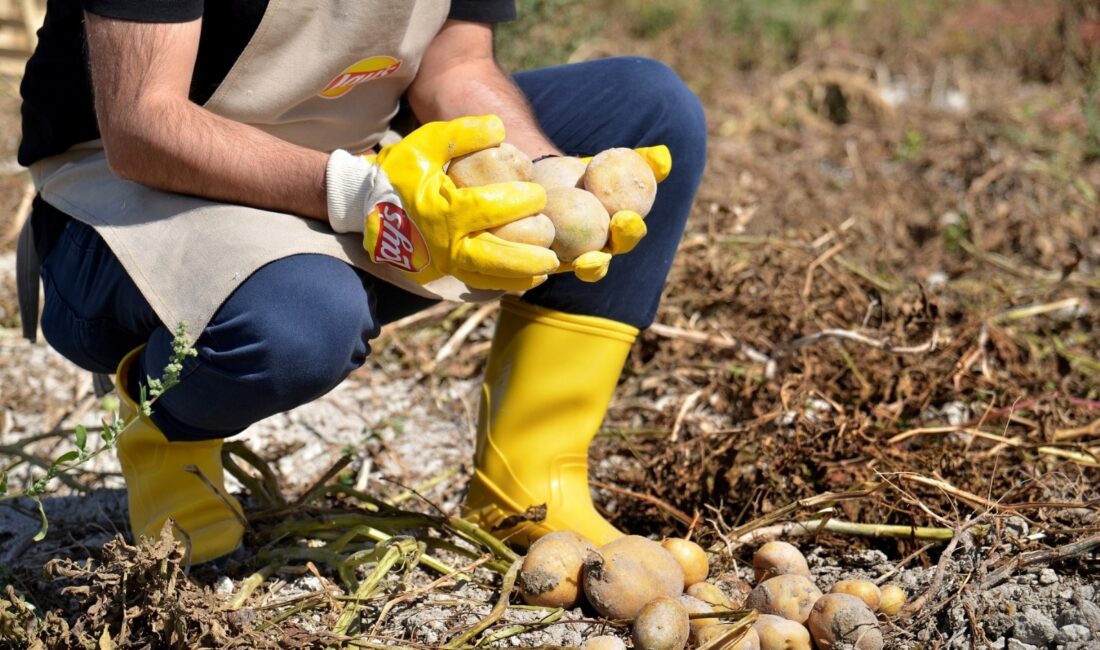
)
(324, 74)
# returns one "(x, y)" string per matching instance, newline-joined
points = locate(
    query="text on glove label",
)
(398, 241)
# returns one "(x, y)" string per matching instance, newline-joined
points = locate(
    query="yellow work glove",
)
(420, 223)
(627, 228)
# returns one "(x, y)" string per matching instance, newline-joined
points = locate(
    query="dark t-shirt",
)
(58, 111)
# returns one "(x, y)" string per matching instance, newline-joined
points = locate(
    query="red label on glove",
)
(399, 242)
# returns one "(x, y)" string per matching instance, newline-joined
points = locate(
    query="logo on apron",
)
(397, 240)
(376, 67)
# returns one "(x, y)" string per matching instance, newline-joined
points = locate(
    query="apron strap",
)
(27, 270)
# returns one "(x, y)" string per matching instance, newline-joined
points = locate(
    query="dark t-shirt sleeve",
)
(483, 11)
(147, 11)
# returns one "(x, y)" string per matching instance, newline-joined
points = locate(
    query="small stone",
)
(1073, 633)
(1034, 627)
(1091, 613)
(957, 413)
(224, 586)
(310, 583)
(950, 218)
(998, 643)
(936, 281)
(1048, 577)
(1017, 526)
(956, 101)
(1013, 644)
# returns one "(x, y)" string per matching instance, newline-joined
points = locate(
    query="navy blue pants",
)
(297, 327)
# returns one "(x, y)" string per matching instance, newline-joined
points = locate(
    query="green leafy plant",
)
(71, 460)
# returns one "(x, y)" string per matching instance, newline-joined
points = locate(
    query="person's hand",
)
(417, 221)
(626, 230)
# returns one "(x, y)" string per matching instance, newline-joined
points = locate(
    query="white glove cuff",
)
(353, 187)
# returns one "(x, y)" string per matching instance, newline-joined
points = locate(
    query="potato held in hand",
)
(622, 180)
(580, 222)
(501, 164)
(551, 571)
(504, 164)
(536, 230)
(560, 171)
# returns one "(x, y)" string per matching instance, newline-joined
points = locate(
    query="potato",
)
(864, 590)
(778, 559)
(696, 606)
(661, 625)
(622, 180)
(893, 598)
(692, 559)
(536, 230)
(748, 641)
(551, 572)
(841, 617)
(789, 596)
(580, 222)
(559, 171)
(625, 574)
(709, 594)
(777, 633)
(495, 165)
(605, 642)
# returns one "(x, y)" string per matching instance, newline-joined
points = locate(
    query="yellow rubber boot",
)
(547, 387)
(160, 487)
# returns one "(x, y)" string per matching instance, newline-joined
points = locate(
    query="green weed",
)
(73, 459)
(910, 147)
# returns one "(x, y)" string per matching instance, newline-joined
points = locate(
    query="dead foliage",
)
(140, 597)
(916, 313)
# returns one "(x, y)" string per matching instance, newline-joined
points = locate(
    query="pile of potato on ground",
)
(581, 196)
(659, 586)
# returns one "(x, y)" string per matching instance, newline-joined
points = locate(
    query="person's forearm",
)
(189, 150)
(154, 135)
(478, 87)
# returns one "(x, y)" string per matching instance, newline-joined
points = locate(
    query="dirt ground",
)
(883, 314)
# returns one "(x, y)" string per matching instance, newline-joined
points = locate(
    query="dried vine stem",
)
(494, 614)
